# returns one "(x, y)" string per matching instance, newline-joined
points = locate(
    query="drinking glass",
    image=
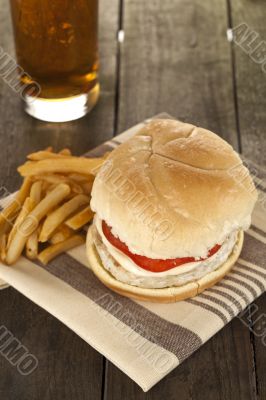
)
(57, 54)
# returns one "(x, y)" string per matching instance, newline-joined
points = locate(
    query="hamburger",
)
(171, 205)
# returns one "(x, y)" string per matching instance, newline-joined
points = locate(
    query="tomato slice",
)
(150, 264)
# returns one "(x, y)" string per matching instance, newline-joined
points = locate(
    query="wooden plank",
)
(176, 58)
(251, 81)
(68, 367)
(251, 98)
(258, 334)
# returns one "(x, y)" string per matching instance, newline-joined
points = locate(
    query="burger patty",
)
(123, 275)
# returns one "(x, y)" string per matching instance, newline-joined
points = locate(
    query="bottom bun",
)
(164, 295)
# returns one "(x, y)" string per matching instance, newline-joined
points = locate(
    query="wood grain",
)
(250, 94)
(258, 337)
(176, 58)
(210, 373)
(251, 81)
(68, 367)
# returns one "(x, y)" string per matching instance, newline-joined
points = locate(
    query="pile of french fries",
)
(47, 215)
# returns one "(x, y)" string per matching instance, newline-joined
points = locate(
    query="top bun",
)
(173, 190)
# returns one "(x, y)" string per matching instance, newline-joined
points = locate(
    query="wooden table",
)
(175, 58)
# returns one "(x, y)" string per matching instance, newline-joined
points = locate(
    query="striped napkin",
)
(3, 284)
(145, 340)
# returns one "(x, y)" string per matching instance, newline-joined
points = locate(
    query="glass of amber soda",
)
(57, 48)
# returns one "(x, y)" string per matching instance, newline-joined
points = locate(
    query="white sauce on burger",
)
(130, 272)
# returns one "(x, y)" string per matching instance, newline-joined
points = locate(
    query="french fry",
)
(3, 240)
(87, 187)
(85, 182)
(106, 154)
(36, 192)
(30, 223)
(65, 152)
(58, 216)
(44, 155)
(8, 214)
(50, 179)
(25, 209)
(39, 229)
(61, 234)
(55, 249)
(76, 188)
(32, 245)
(8, 225)
(17, 238)
(46, 205)
(45, 187)
(81, 178)
(56, 179)
(80, 219)
(79, 165)
(50, 187)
